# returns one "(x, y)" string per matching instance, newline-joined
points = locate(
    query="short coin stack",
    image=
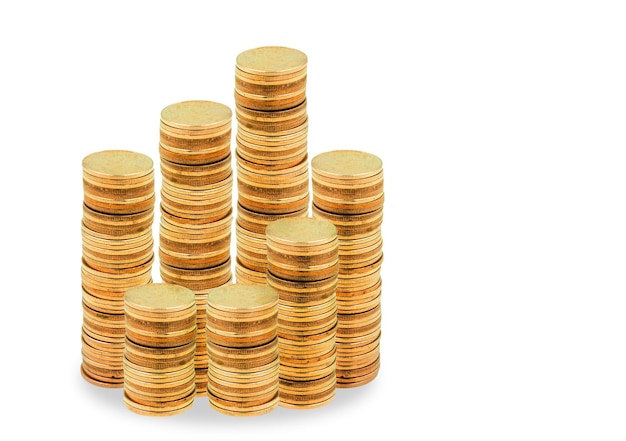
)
(159, 374)
(242, 344)
(117, 254)
(302, 267)
(196, 205)
(272, 158)
(348, 191)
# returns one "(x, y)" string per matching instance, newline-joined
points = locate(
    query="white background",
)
(501, 126)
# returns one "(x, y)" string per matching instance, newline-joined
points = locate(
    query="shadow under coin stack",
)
(302, 256)
(196, 205)
(159, 374)
(272, 161)
(243, 349)
(348, 191)
(117, 254)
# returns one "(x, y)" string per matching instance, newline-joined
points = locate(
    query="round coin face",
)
(117, 164)
(242, 297)
(160, 297)
(347, 163)
(301, 230)
(268, 60)
(195, 115)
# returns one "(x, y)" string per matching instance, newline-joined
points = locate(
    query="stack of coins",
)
(117, 254)
(196, 205)
(302, 267)
(272, 158)
(160, 343)
(242, 343)
(348, 191)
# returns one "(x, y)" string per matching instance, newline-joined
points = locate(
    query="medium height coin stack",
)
(348, 191)
(159, 374)
(243, 349)
(196, 205)
(117, 254)
(302, 256)
(271, 153)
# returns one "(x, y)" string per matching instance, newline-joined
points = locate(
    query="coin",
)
(111, 165)
(196, 114)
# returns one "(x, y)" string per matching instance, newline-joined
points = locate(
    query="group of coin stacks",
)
(348, 191)
(159, 374)
(271, 152)
(196, 206)
(117, 254)
(304, 317)
(302, 255)
(242, 343)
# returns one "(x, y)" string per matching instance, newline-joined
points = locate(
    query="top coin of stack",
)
(118, 182)
(347, 182)
(270, 78)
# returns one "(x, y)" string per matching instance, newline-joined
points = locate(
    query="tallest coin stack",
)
(272, 159)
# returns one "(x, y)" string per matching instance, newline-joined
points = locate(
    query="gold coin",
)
(300, 232)
(238, 339)
(114, 242)
(226, 408)
(271, 61)
(98, 347)
(235, 318)
(279, 138)
(193, 158)
(312, 403)
(199, 281)
(196, 115)
(243, 391)
(245, 376)
(196, 138)
(242, 297)
(154, 396)
(243, 325)
(280, 117)
(167, 409)
(248, 276)
(133, 349)
(117, 164)
(351, 226)
(246, 83)
(346, 164)
(271, 79)
(348, 206)
(102, 371)
(159, 297)
(304, 387)
(261, 102)
(120, 206)
(195, 177)
(101, 381)
(247, 384)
